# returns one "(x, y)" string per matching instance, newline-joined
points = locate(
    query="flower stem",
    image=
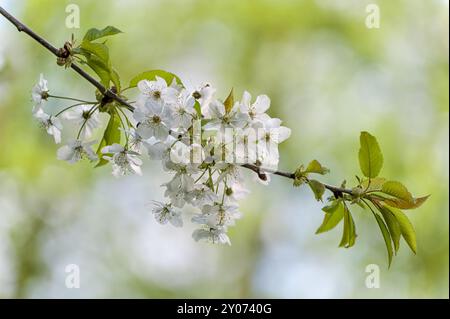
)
(91, 111)
(71, 99)
(68, 108)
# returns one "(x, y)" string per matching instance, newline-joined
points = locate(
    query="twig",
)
(261, 174)
(23, 28)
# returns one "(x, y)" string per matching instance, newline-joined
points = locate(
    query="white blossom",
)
(83, 117)
(274, 132)
(272, 135)
(235, 192)
(256, 111)
(123, 161)
(156, 91)
(160, 150)
(204, 94)
(50, 123)
(218, 215)
(212, 235)
(135, 141)
(183, 110)
(75, 150)
(201, 195)
(165, 213)
(39, 93)
(153, 120)
(220, 118)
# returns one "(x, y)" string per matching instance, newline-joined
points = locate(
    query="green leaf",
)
(198, 109)
(333, 215)
(393, 226)
(151, 76)
(115, 79)
(397, 190)
(110, 136)
(299, 176)
(370, 156)
(102, 70)
(406, 228)
(315, 167)
(386, 236)
(229, 102)
(374, 184)
(349, 233)
(318, 189)
(402, 204)
(402, 197)
(94, 34)
(98, 49)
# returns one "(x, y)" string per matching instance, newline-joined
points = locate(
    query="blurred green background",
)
(328, 76)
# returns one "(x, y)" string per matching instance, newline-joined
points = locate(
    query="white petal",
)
(245, 103)
(272, 123)
(262, 103)
(56, 122)
(144, 86)
(145, 131)
(65, 153)
(161, 132)
(53, 130)
(176, 221)
(160, 83)
(136, 169)
(283, 133)
(114, 148)
(155, 107)
(169, 95)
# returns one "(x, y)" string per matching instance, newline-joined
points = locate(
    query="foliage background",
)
(329, 77)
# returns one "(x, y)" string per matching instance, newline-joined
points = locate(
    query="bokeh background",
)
(328, 76)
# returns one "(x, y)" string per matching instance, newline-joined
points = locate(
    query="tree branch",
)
(337, 191)
(261, 173)
(57, 52)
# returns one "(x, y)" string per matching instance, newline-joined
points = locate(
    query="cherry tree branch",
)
(62, 53)
(338, 191)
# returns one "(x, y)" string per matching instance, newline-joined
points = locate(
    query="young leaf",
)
(98, 49)
(403, 204)
(94, 34)
(229, 102)
(151, 76)
(406, 228)
(318, 189)
(102, 70)
(299, 176)
(198, 109)
(110, 136)
(115, 79)
(333, 215)
(349, 233)
(386, 236)
(370, 156)
(315, 167)
(393, 226)
(398, 190)
(374, 184)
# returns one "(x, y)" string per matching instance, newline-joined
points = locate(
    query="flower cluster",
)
(82, 114)
(201, 141)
